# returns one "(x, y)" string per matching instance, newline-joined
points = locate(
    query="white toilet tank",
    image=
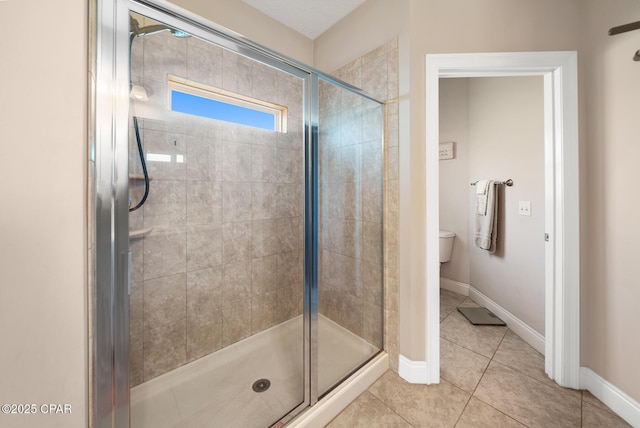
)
(446, 245)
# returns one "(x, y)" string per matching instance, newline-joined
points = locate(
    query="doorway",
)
(494, 130)
(559, 71)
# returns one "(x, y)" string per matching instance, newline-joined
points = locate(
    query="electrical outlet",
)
(524, 208)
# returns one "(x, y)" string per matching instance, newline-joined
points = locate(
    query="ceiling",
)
(308, 17)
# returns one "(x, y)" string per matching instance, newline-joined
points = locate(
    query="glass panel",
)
(218, 246)
(350, 289)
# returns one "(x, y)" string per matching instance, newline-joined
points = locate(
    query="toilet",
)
(446, 245)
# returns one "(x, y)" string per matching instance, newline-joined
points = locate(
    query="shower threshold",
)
(217, 390)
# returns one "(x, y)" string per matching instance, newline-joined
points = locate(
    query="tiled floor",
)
(489, 378)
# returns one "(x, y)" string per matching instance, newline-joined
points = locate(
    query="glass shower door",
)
(255, 245)
(350, 288)
(216, 307)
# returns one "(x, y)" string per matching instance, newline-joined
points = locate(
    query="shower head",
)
(137, 31)
(152, 29)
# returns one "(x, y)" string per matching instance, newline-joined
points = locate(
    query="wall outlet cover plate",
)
(524, 208)
(446, 151)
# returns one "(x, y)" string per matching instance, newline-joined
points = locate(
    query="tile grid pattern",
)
(377, 74)
(225, 257)
(489, 378)
(350, 228)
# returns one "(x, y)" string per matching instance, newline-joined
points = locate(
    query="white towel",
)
(481, 196)
(486, 226)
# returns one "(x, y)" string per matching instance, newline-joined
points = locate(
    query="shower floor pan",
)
(216, 390)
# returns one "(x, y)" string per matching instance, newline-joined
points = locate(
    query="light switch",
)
(524, 208)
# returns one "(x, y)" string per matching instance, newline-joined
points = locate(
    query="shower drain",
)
(261, 385)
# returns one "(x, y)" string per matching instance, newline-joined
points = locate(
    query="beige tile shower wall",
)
(351, 212)
(225, 257)
(348, 291)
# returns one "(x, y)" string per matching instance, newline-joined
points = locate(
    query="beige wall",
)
(43, 260)
(505, 132)
(42, 232)
(457, 26)
(610, 199)
(608, 105)
(454, 176)
(253, 24)
(369, 26)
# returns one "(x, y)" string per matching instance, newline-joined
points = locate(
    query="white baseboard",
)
(412, 371)
(527, 333)
(337, 400)
(455, 286)
(623, 405)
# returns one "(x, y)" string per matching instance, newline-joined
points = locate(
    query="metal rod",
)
(624, 28)
(508, 182)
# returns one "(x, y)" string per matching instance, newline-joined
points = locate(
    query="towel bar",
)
(508, 182)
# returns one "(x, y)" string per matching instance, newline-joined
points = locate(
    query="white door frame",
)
(562, 251)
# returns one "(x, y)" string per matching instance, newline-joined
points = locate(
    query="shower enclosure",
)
(249, 283)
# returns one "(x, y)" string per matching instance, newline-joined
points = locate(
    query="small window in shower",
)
(186, 96)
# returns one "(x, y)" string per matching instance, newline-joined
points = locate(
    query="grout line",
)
(388, 407)
(483, 374)
(491, 359)
(499, 344)
(485, 370)
(562, 390)
(465, 348)
(581, 409)
(463, 409)
(463, 391)
(500, 411)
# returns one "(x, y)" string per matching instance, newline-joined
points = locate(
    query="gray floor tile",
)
(481, 415)
(421, 405)
(588, 397)
(527, 400)
(449, 301)
(517, 354)
(504, 373)
(482, 339)
(460, 366)
(596, 417)
(366, 412)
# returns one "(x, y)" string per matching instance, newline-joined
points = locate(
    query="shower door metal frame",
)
(109, 73)
(109, 108)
